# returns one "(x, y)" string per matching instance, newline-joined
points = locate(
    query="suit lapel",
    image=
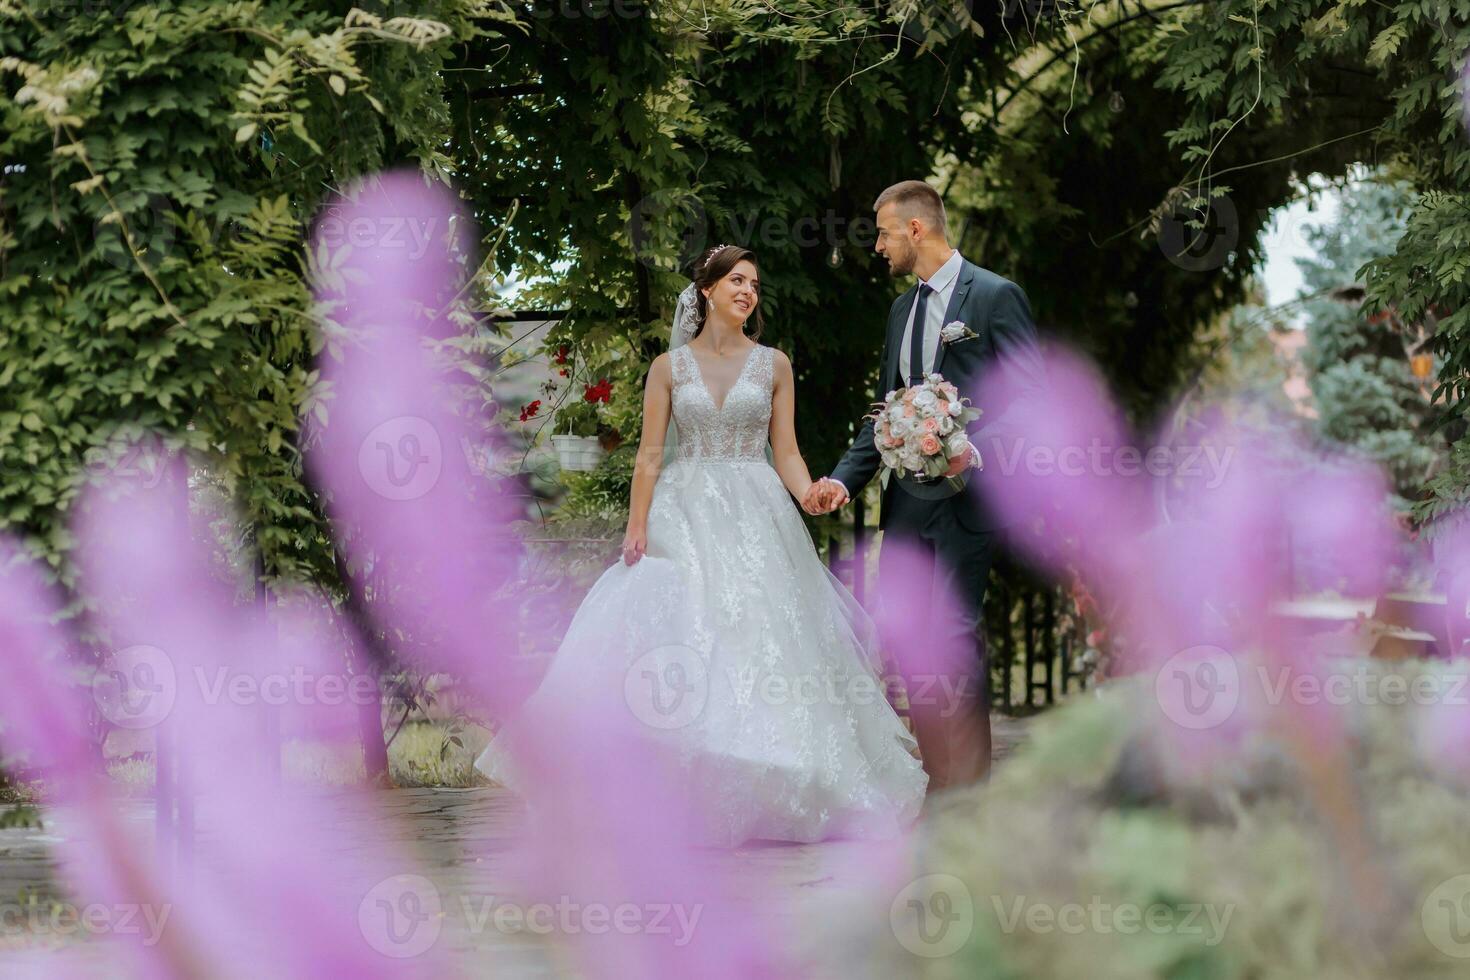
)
(952, 311)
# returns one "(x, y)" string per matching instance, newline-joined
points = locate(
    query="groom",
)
(951, 527)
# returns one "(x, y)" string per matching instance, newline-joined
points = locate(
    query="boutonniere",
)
(955, 331)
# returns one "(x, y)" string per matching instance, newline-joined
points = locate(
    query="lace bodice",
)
(738, 429)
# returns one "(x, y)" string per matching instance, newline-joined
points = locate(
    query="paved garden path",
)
(464, 844)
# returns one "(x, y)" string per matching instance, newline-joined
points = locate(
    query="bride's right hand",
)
(635, 545)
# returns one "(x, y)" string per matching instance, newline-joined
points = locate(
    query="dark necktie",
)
(916, 338)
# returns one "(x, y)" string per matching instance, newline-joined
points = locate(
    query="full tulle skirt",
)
(744, 662)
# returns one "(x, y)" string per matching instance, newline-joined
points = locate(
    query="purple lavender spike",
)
(284, 887)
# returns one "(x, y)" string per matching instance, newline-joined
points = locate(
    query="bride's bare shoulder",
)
(662, 369)
(779, 360)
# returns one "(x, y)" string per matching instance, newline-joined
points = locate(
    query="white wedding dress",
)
(741, 655)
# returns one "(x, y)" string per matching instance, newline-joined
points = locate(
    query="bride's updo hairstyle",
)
(713, 266)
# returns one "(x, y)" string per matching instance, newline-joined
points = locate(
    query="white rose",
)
(956, 444)
(925, 401)
(955, 407)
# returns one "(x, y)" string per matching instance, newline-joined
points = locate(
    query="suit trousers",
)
(952, 717)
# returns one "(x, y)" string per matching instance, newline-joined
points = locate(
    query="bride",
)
(742, 656)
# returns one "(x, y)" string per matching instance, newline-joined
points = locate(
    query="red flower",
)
(564, 372)
(599, 392)
(561, 354)
(529, 412)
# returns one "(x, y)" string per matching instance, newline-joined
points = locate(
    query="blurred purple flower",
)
(45, 722)
(1444, 727)
(922, 625)
(278, 887)
(1194, 567)
(1041, 468)
(396, 456)
(610, 818)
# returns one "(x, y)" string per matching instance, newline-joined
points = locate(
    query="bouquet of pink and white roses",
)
(917, 429)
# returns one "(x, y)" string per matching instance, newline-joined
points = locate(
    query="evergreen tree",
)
(1361, 365)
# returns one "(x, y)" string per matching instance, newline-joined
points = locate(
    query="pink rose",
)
(929, 445)
(943, 407)
(908, 411)
(894, 442)
(931, 425)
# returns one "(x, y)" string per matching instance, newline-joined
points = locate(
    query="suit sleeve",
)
(861, 461)
(1022, 372)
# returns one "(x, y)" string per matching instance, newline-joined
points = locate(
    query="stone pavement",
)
(463, 841)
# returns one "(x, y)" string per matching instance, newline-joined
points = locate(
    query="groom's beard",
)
(901, 265)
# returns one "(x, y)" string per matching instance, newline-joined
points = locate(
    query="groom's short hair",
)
(915, 199)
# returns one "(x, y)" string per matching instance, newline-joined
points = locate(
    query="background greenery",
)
(160, 165)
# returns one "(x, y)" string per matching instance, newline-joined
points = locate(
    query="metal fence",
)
(1028, 642)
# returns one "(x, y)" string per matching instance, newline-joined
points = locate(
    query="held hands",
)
(823, 497)
(826, 495)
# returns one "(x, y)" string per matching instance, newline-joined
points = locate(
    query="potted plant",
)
(575, 436)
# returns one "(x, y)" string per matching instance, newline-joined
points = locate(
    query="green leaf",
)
(1386, 43)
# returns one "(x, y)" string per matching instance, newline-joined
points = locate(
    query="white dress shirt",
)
(943, 283)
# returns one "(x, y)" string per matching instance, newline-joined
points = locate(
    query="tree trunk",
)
(368, 660)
